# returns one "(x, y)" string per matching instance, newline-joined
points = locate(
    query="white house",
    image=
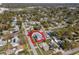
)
(16, 28)
(14, 21)
(3, 9)
(2, 43)
(15, 41)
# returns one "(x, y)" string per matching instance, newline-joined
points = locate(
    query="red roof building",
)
(40, 37)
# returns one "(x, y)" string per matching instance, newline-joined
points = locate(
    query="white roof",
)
(2, 43)
(3, 9)
(16, 28)
(15, 43)
(55, 39)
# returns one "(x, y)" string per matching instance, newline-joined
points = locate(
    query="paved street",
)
(29, 41)
(72, 51)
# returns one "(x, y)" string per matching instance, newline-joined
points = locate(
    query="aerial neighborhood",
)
(39, 30)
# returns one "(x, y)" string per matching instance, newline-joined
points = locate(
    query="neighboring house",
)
(3, 9)
(15, 41)
(14, 21)
(44, 46)
(16, 28)
(2, 43)
(56, 39)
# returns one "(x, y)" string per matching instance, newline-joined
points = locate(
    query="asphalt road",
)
(71, 52)
(29, 41)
